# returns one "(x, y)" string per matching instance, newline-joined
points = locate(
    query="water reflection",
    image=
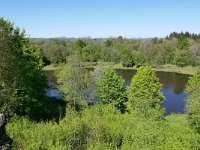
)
(174, 102)
(173, 88)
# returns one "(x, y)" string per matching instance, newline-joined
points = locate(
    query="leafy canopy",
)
(73, 83)
(144, 93)
(22, 81)
(111, 88)
(193, 103)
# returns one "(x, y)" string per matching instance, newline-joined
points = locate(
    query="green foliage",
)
(152, 52)
(186, 34)
(138, 58)
(108, 43)
(30, 135)
(111, 88)
(168, 51)
(183, 58)
(22, 90)
(126, 58)
(144, 93)
(126, 51)
(101, 128)
(22, 81)
(183, 43)
(178, 120)
(193, 103)
(73, 83)
(92, 85)
(90, 53)
(55, 51)
(80, 44)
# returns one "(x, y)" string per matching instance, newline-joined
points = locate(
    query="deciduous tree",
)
(22, 81)
(111, 88)
(73, 83)
(144, 93)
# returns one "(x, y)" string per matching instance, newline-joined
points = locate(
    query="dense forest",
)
(180, 49)
(121, 118)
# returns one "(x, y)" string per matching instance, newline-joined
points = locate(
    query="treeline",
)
(182, 34)
(180, 49)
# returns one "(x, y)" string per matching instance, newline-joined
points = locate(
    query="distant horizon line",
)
(107, 37)
(90, 37)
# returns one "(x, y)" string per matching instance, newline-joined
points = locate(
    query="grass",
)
(53, 67)
(190, 70)
(173, 68)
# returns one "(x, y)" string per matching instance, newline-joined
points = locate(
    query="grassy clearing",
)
(53, 67)
(173, 68)
(190, 70)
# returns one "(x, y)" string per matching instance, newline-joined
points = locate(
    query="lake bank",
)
(173, 86)
(189, 70)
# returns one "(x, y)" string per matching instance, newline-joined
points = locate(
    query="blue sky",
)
(102, 18)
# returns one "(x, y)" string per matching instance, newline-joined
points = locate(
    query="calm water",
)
(173, 88)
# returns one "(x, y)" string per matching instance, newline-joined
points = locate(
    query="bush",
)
(101, 128)
(193, 103)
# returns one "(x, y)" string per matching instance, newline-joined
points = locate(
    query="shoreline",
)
(188, 70)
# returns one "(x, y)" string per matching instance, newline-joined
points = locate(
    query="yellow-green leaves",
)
(144, 94)
(111, 88)
(193, 103)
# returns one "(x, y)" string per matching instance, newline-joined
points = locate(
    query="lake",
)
(173, 88)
